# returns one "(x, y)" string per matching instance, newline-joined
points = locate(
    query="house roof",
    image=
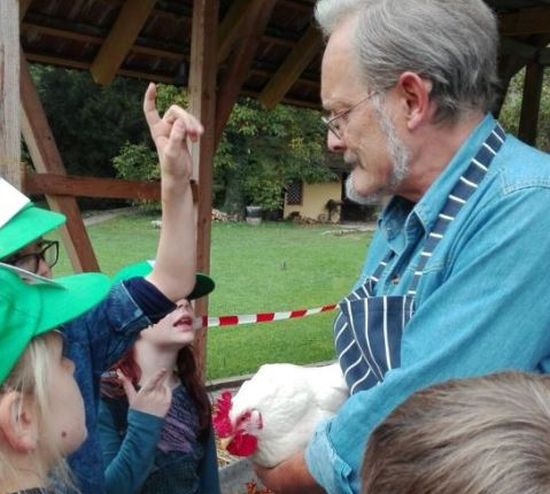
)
(73, 33)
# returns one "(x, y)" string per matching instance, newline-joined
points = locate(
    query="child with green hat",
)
(98, 338)
(41, 408)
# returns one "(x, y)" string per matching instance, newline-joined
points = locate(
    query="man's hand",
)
(155, 396)
(170, 134)
(289, 477)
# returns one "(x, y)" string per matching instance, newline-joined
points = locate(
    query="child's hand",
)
(170, 134)
(155, 396)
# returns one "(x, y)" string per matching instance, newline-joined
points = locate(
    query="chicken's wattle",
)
(243, 445)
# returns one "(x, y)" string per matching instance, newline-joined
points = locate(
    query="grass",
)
(271, 267)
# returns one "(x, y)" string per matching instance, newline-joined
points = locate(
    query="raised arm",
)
(174, 271)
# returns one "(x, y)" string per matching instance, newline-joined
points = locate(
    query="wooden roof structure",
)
(220, 49)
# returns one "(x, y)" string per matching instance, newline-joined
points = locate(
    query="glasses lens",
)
(50, 253)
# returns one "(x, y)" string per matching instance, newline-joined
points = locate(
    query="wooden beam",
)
(230, 27)
(526, 21)
(289, 72)
(526, 51)
(10, 121)
(97, 187)
(62, 62)
(530, 108)
(254, 24)
(23, 7)
(129, 23)
(202, 98)
(46, 159)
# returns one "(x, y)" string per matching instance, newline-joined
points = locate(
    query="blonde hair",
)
(30, 378)
(474, 436)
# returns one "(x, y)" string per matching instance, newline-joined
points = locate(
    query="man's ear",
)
(415, 94)
(18, 422)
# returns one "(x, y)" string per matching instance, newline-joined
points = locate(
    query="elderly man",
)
(454, 282)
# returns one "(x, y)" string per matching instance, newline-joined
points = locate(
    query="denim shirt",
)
(481, 305)
(95, 341)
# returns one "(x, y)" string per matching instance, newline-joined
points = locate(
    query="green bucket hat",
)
(27, 226)
(34, 305)
(203, 284)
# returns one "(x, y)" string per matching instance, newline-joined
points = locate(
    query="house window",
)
(294, 193)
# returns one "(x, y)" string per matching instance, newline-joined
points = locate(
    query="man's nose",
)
(334, 143)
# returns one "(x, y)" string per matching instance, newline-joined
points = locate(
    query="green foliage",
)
(90, 123)
(264, 151)
(137, 162)
(511, 110)
(260, 153)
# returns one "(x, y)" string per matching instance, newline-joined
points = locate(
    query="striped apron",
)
(368, 329)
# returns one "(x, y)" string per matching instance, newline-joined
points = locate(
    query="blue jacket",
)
(95, 341)
(481, 305)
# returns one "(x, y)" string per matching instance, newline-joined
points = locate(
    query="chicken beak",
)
(225, 442)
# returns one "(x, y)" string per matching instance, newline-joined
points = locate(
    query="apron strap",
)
(462, 191)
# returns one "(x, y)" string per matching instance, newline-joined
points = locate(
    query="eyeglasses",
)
(334, 123)
(49, 253)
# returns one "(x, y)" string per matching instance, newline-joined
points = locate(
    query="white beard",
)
(398, 152)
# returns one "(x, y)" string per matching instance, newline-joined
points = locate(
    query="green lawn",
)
(271, 267)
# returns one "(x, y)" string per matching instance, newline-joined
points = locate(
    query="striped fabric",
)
(368, 329)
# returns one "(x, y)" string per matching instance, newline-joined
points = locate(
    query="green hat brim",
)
(203, 283)
(35, 308)
(25, 227)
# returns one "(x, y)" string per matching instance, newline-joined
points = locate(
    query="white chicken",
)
(274, 414)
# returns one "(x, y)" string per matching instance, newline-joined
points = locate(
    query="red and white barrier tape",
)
(212, 322)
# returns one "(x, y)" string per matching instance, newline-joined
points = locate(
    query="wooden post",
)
(202, 87)
(46, 159)
(530, 107)
(10, 122)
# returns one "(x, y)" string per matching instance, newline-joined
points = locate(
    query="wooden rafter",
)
(10, 122)
(535, 20)
(289, 72)
(526, 51)
(544, 57)
(202, 97)
(46, 159)
(253, 26)
(230, 27)
(120, 40)
(23, 7)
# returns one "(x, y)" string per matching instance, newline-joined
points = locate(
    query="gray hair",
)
(453, 44)
(474, 436)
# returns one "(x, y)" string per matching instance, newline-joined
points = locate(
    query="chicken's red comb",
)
(220, 421)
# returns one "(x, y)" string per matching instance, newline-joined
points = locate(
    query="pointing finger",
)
(126, 384)
(149, 105)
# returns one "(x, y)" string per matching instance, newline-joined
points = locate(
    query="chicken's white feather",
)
(292, 400)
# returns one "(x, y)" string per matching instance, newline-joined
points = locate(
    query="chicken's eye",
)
(243, 418)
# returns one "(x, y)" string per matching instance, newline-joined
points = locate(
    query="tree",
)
(512, 109)
(90, 123)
